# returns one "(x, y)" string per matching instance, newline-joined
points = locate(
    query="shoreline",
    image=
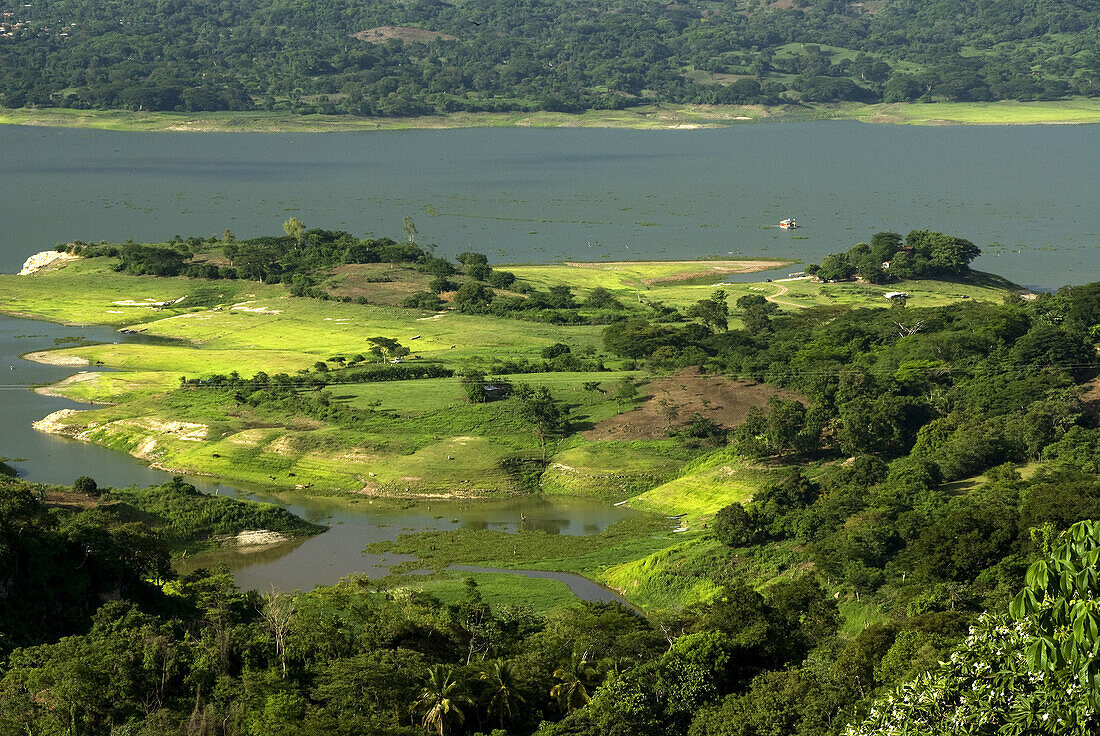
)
(664, 116)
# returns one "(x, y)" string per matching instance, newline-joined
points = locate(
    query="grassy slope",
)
(627, 283)
(703, 487)
(1075, 110)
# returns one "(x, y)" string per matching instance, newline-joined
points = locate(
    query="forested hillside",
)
(900, 538)
(425, 56)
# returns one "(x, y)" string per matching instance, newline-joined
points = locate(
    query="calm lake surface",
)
(1026, 194)
(537, 195)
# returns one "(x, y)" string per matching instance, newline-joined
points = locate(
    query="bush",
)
(86, 486)
(425, 300)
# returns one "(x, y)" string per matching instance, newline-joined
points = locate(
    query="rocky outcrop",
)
(46, 258)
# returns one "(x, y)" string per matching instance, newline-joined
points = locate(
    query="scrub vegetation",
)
(837, 491)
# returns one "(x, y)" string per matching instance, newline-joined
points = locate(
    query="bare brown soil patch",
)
(715, 397)
(69, 500)
(405, 34)
(377, 283)
(1091, 396)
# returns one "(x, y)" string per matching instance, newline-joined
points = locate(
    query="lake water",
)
(538, 195)
(519, 195)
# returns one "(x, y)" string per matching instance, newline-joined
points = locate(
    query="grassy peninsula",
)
(414, 437)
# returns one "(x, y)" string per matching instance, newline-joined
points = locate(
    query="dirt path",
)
(774, 298)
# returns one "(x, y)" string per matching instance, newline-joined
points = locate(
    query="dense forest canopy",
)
(412, 58)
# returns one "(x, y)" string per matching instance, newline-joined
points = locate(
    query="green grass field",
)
(633, 276)
(648, 282)
(422, 438)
(703, 487)
(612, 470)
(498, 589)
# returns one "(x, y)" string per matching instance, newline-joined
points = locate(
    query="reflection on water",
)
(328, 557)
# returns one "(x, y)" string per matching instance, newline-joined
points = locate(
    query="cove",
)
(296, 565)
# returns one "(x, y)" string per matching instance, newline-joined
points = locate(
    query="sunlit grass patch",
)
(703, 487)
(500, 589)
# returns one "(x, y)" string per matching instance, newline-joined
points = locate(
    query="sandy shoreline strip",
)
(53, 357)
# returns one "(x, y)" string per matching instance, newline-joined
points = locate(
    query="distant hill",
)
(428, 56)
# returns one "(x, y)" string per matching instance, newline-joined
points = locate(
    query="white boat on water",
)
(788, 224)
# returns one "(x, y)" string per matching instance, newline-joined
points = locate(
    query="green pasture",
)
(664, 579)
(1007, 112)
(628, 283)
(429, 394)
(589, 555)
(698, 566)
(86, 291)
(703, 487)
(612, 470)
(632, 275)
(498, 589)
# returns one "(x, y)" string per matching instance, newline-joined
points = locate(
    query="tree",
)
(478, 271)
(574, 681)
(472, 298)
(736, 526)
(552, 351)
(884, 246)
(601, 298)
(442, 699)
(1034, 671)
(669, 411)
(469, 258)
(626, 392)
(408, 229)
(424, 300)
(756, 313)
(473, 385)
(385, 348)
(295, 229)
(86, 486)
(835, 267)
(502, 690)
(713, 312)
(277, 610)
(546, 414)
(786, 419)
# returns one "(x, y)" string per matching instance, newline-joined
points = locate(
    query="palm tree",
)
(575, 679)
(503, 693)
(442, 700)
